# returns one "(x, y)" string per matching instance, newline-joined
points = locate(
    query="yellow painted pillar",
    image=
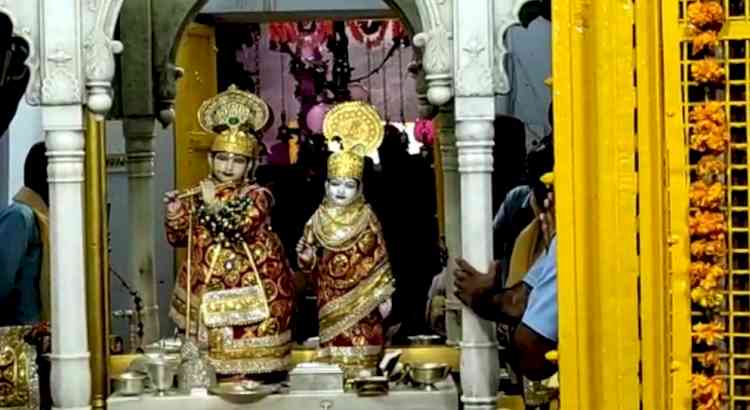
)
(596, 187)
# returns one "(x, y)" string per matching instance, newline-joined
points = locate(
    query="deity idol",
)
(241, 287)
(342, 248)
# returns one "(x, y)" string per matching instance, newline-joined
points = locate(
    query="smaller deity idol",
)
(343, 249)
(240, 285)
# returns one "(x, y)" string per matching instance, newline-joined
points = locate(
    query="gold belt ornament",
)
(235, 307)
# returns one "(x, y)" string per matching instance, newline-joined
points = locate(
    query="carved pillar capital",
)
(99, 50)
(425, 109)
(167, 75)
(436, 40)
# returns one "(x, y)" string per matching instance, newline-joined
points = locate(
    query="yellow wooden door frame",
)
(596, 186)
(197, 56)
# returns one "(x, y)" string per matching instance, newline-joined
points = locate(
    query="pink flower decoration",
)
(424, 131)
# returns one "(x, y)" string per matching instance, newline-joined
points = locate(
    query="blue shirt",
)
(541, 309)
(20, 266)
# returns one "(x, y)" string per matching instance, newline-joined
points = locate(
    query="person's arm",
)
(505, 307)
(16, 230)
(537, 333)
(530, 350)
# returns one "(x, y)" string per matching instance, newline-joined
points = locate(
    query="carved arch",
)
(507, 15)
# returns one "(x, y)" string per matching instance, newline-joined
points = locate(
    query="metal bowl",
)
(371, 386)
(424, 340)
(243, 392)
(130, 384)
(428, 374)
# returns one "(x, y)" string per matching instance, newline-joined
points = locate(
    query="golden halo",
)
(356, 123)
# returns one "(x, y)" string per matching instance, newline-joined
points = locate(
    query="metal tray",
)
(237, 392)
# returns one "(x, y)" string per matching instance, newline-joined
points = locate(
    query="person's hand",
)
(208, 191)
(305, 252)
(471, 284)
(385, 308)
(547, 218)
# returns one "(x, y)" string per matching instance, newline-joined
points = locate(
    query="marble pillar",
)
(64, 138)
(474, 101)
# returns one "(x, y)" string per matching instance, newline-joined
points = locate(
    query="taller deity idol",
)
(241, 288)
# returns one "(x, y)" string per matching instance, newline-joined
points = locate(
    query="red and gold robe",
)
(245, 303)
(353, 277)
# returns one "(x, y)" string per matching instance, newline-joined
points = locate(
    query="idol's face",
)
(342, 191)
(228, 167)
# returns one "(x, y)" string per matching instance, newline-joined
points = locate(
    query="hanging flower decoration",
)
(705, 41)
(299, 37)
(707, 391)
(399, 34)
(705, 196)
(709, 130)
(371, 33)
(705, 16)
(707, 71)
(711, 166)
(709, 137)
(424, 131)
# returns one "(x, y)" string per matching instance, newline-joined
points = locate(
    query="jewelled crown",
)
(234, 114)
(347, 163)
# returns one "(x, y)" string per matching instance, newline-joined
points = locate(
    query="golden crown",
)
(237, 142)
(231, 113)
(347, 163)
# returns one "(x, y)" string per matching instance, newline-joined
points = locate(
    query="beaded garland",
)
(225, 224)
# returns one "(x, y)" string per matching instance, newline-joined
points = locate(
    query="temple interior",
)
(372, 204)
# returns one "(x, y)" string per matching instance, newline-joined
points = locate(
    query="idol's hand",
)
(208, 191)
(385, 308)
(170, 196)
(305, 252)
(173, 204)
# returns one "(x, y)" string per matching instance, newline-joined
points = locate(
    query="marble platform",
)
(400, 397)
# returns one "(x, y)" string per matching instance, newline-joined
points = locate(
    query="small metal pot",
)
(162, 372)
(130, 384)
(428, 374)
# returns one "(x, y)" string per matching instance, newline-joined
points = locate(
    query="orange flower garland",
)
(707, 71)
(709, 136)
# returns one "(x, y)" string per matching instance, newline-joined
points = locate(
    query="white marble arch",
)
(72, 63)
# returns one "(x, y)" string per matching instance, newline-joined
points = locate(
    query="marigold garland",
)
(705, 196)
(705, 16)
(709, 136)
(707, 71)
